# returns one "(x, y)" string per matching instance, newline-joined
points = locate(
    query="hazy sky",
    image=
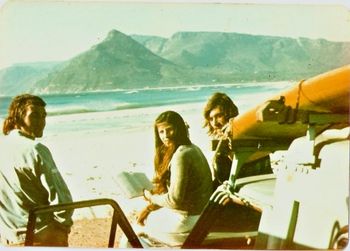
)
(33, 31)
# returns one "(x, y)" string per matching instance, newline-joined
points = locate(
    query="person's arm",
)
(54, 183)
(180, 166)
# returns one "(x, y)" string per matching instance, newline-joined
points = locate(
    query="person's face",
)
(217, 118)
(34, 121)
(166, 133)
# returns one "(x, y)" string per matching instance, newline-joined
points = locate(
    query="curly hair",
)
(223, 101)
(17, 109)
(163, 154)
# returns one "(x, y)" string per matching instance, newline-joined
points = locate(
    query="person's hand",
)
(142, 216)
(228, 133)
(222, 194)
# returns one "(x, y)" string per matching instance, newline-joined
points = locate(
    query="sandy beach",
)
(91, 148)
(90, 157)
(89, 160)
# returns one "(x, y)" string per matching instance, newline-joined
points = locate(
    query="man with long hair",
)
(29, 177)
(218, 113)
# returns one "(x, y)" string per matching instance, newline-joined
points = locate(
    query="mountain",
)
(235, 57)
(117, 62)
(20, 78)
(187, 58)
(153, 43)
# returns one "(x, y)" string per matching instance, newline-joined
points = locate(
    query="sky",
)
(55, 30)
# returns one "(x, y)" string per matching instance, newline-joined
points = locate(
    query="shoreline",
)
(188, 87)
(91, 148)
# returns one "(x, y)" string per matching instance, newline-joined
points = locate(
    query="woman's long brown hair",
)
(164, 154)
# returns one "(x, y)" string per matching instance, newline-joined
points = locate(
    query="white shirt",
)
(28, 178)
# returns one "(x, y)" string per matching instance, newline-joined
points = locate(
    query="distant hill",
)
(235, 57)
(187, 58)
(153, 43)
(22, 77)
(117, 62)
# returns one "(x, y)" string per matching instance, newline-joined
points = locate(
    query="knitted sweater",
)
(190, 183)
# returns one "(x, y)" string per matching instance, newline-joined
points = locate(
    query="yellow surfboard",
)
(322, 101)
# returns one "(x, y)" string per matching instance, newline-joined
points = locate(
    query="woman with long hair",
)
(182, 182)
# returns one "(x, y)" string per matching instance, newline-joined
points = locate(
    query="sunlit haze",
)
(32, 31)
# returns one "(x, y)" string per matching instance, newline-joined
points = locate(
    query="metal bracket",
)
(118, 218)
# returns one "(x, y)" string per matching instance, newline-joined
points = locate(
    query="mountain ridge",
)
(121, 61)
(116, 62)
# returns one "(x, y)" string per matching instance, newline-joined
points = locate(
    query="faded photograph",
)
(174, 124)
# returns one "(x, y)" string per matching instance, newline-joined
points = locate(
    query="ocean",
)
(136, 108)
(94, 136)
